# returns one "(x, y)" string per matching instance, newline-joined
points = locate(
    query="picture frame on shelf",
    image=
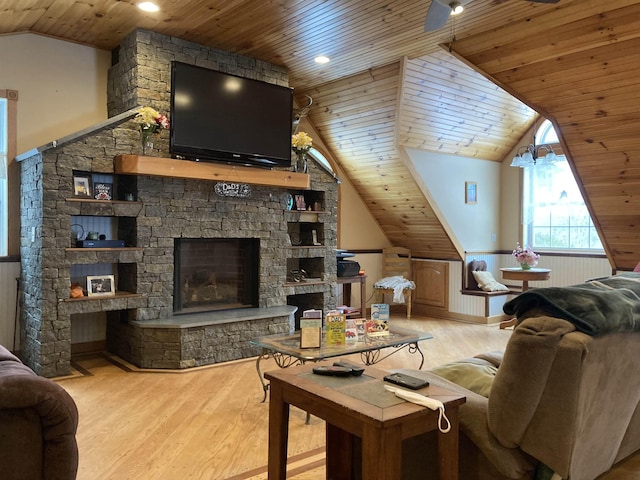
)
(471, 192)
(82, 185)
(103, 191)
(101, 285)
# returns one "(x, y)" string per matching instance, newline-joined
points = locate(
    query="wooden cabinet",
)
(432, 280)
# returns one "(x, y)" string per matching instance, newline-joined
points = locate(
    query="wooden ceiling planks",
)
(575, 60)
(445, 109)
(362, 136)
(568, 75)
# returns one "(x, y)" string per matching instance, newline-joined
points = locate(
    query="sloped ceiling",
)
(391, 84)
(435, 103)
(578, 64)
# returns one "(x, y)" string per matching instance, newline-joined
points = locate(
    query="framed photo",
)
(82, 185)
(103, 191)
(470, 192)
(101, 285)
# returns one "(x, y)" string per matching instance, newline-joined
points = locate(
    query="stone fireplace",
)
(213, 274)
(141, 325)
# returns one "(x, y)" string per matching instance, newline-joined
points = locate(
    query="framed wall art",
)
(470, 192)
(101, 285)
(82, 184)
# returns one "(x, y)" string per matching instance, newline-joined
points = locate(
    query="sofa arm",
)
(510, 462)
(21, 392)
(522, 377)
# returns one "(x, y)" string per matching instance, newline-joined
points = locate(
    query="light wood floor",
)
(209, 423)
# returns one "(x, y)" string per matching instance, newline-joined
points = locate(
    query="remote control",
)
(332, 371)
(356, 371)
(407, 381)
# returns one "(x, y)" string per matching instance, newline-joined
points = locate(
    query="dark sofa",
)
(38, 422)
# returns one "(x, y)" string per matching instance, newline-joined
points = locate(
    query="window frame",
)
(10, 224)
(548, 136)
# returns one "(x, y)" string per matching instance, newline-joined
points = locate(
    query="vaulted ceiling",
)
(390, 84)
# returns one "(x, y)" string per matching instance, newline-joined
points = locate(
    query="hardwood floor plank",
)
(210, 422)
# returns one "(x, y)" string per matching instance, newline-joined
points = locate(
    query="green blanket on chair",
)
(595, 308)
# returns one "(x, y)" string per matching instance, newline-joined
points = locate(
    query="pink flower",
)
(527, 255)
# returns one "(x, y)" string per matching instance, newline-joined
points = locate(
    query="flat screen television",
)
(216, 116)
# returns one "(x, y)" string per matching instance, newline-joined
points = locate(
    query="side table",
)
(346, 291)
(526, 276)
(358, 407)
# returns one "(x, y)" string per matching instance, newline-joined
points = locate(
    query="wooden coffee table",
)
(358, 407)
(285, 349)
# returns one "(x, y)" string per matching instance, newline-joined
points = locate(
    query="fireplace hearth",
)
(215, 274)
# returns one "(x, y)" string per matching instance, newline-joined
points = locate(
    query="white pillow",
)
(487, 283)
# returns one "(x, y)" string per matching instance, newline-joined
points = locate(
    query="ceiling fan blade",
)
(437, 16)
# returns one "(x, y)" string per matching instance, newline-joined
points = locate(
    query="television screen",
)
(221, 117)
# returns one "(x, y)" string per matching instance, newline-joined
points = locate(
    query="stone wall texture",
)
(165, 209)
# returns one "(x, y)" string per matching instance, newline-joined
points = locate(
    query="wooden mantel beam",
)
(169, 167)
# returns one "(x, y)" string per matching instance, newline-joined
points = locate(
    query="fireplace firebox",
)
(215, 274)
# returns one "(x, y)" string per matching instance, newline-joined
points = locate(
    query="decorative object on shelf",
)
(301, 144)
(77, 233)
(150, 121)
(526, 257)
(103, 191)
(101, 285)
(226, 189)
(93, 236)
(76, 291)
(82, 184)
(129, 197)
(288, 201)
(295, 239)
(298, 276)
(300, 203)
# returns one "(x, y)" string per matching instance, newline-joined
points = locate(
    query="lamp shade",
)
(518, 161)
(527, 157)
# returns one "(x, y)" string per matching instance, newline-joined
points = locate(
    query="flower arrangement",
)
(526, 257)
(151, 120)
(301, 143)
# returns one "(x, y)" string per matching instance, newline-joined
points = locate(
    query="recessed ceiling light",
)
(148, 7)
(322, 59)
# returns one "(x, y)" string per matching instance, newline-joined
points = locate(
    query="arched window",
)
(320, 158)
(555, 216)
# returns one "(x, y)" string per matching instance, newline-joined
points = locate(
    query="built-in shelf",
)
(103, 297)
(169, 167)
(307, 216)
(93, 200)
(302, 284)
(101, 249)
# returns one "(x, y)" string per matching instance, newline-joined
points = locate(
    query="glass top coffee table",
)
(285, 349)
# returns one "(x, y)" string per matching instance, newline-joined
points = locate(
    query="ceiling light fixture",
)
(148, 7)
(456, 8)
(322, 59)
(529, 155)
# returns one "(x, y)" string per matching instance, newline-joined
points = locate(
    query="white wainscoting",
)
(564, 271)
(9, 272)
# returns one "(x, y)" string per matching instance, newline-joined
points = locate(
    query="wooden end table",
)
(525, 276)
(358, 407)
